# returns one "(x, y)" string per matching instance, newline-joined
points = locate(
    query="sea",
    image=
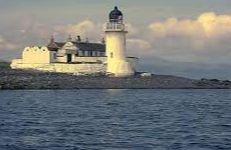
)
(115, 120)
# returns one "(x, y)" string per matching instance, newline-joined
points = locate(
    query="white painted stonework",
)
(38, 55)
(83, 57)
(44, 60)
(61, 68)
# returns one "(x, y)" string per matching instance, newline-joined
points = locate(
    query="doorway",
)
(69, 58)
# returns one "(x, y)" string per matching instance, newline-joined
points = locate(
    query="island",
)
(16, 79)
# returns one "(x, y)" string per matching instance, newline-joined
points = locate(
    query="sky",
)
(182, 37)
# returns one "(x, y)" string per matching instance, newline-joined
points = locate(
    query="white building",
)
(76, 56)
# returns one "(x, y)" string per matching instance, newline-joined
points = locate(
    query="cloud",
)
(79, 28)
(85, 28)
(31, 28)
(6, 45)
(207, 25)
(138, 44)
(90, 29)
(7, 49)
(205, 39)
(133, 31)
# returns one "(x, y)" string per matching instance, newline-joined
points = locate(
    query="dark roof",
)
(84, 46)
(115, 15)
(52, 49)
(90, 46)
(52, 46)
(60, 44)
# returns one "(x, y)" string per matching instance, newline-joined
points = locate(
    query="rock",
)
(146, 74)
(29, 79)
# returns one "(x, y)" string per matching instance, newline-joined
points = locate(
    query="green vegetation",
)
(4, 65)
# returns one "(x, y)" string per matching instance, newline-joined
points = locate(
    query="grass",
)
(4, 64)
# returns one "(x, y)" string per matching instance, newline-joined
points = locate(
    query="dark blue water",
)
(115, 119)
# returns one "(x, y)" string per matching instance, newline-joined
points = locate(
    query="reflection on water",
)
(116, 91)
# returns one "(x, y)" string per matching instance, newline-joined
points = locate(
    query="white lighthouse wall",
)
(117, 63)
(116, 45)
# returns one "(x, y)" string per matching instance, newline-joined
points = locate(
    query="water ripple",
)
(115, 119)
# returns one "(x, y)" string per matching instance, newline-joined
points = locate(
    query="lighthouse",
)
(115, 36)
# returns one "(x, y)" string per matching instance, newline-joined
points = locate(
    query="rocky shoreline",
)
(28, 79)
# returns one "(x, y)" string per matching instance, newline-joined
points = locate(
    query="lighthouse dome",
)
(116, 15)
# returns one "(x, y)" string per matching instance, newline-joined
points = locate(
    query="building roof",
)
(83, 46)
(52, 46)
(90, 46)
(60, 44)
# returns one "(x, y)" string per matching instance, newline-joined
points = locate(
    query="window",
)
(86, 53)
(80, 53)
(111, 55)
(93, 53)
(90, 53)
(54, 55)
(98, 53)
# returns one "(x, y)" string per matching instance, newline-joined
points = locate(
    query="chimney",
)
(69, 39)
(87, 40)
(103, 41)
(52, 39)
(78, 38)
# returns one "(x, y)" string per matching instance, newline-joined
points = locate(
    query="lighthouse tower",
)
(115, 34)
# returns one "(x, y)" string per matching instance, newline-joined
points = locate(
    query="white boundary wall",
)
(66, 68)
(59, 67)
